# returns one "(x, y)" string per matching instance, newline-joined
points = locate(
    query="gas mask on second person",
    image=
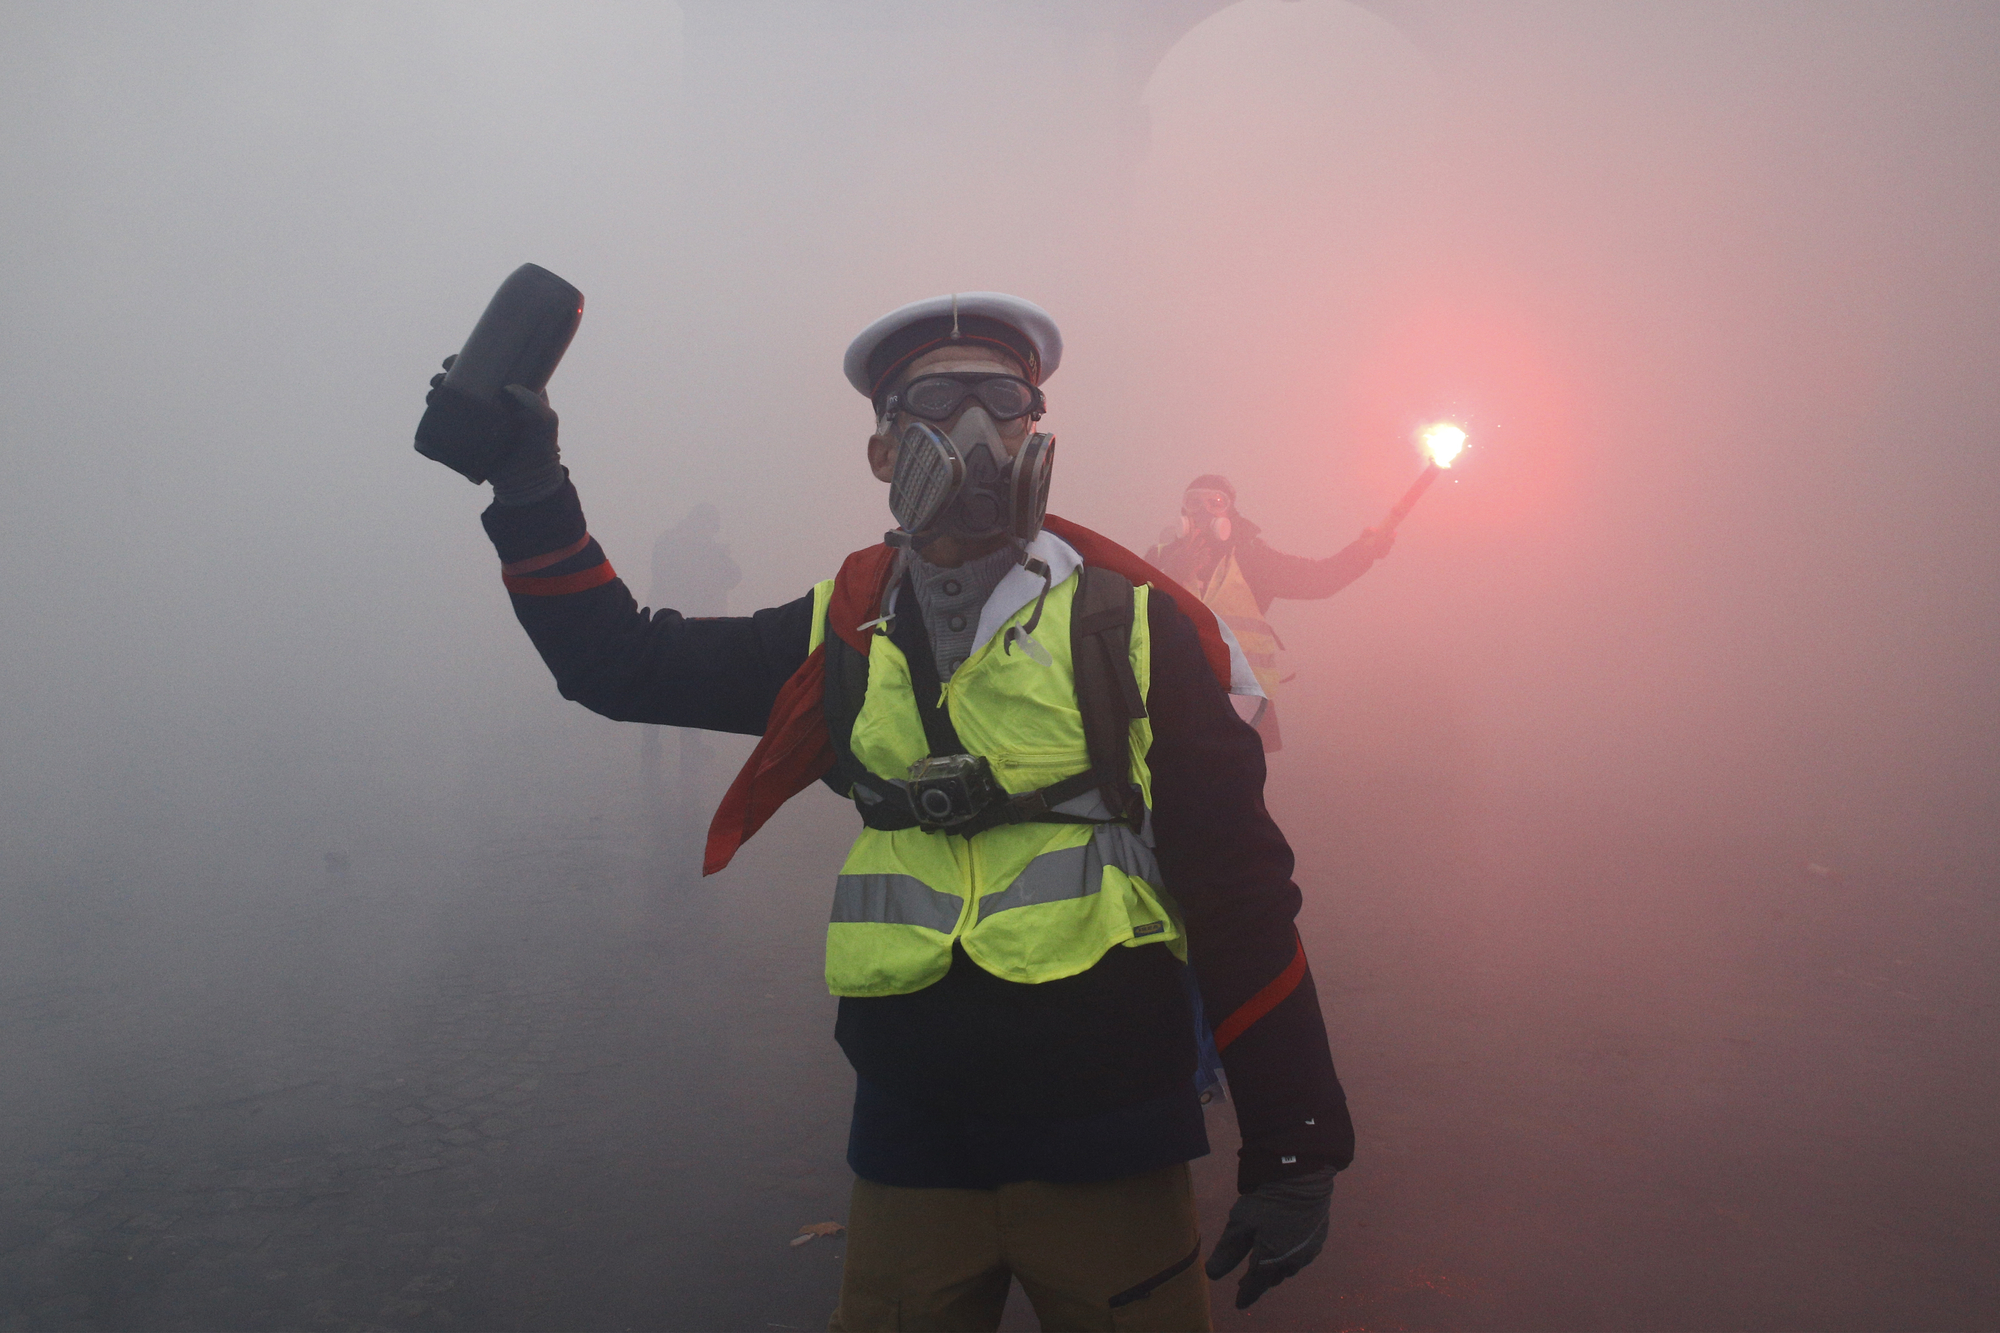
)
(1204, 510)
(959, 481)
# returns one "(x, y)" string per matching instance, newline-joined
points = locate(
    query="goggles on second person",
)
(1215, 503)
(936, 397)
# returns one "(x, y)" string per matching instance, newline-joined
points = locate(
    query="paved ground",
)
(533, 1088)
(538, 1079)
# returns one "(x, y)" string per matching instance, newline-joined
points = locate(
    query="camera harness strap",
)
(1107, 695)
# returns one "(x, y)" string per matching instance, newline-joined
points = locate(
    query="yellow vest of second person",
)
(1029, 902)
(1228, 595)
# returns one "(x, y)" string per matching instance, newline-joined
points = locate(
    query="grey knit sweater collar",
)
(950, 601)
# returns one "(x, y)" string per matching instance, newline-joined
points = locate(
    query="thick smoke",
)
(1644, 797)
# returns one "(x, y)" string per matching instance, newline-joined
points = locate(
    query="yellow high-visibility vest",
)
(1028, 902)
(1228, 595)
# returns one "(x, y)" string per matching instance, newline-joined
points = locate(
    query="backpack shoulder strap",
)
(1107, 690)
(846, 688)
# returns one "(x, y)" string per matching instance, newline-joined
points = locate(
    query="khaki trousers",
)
(1113, 1254)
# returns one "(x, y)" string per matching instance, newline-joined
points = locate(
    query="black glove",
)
(1281, 1226)
(511, 443)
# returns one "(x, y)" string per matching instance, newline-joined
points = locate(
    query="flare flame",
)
(1442, 442)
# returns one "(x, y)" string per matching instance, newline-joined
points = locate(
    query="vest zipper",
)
(971, 913)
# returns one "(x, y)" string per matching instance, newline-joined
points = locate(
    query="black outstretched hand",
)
(510, 442)
(1280, 1227)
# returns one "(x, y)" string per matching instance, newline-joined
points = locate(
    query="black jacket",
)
(1113, 1036)
(1271, 574)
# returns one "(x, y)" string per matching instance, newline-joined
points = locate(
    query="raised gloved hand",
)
(511, 443)
(1280, 1226)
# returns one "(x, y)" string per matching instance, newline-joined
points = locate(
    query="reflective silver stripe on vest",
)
(896, 900)
(1076, 872)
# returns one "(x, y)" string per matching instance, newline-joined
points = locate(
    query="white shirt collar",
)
(1018, 587)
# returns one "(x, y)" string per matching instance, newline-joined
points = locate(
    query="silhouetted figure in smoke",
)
(693, 572)
(691, 569)
(1219, 555)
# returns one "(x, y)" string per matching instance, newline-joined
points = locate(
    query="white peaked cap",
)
(896, 339)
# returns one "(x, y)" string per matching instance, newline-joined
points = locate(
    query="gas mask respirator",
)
(1207, 511)
(960, 483)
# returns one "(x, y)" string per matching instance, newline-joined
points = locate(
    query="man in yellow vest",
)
(1063, 828)
(1220, 556)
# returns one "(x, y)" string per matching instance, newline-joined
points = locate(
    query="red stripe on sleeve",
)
(595, 576)
(534, 563)
(1265, 1000)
